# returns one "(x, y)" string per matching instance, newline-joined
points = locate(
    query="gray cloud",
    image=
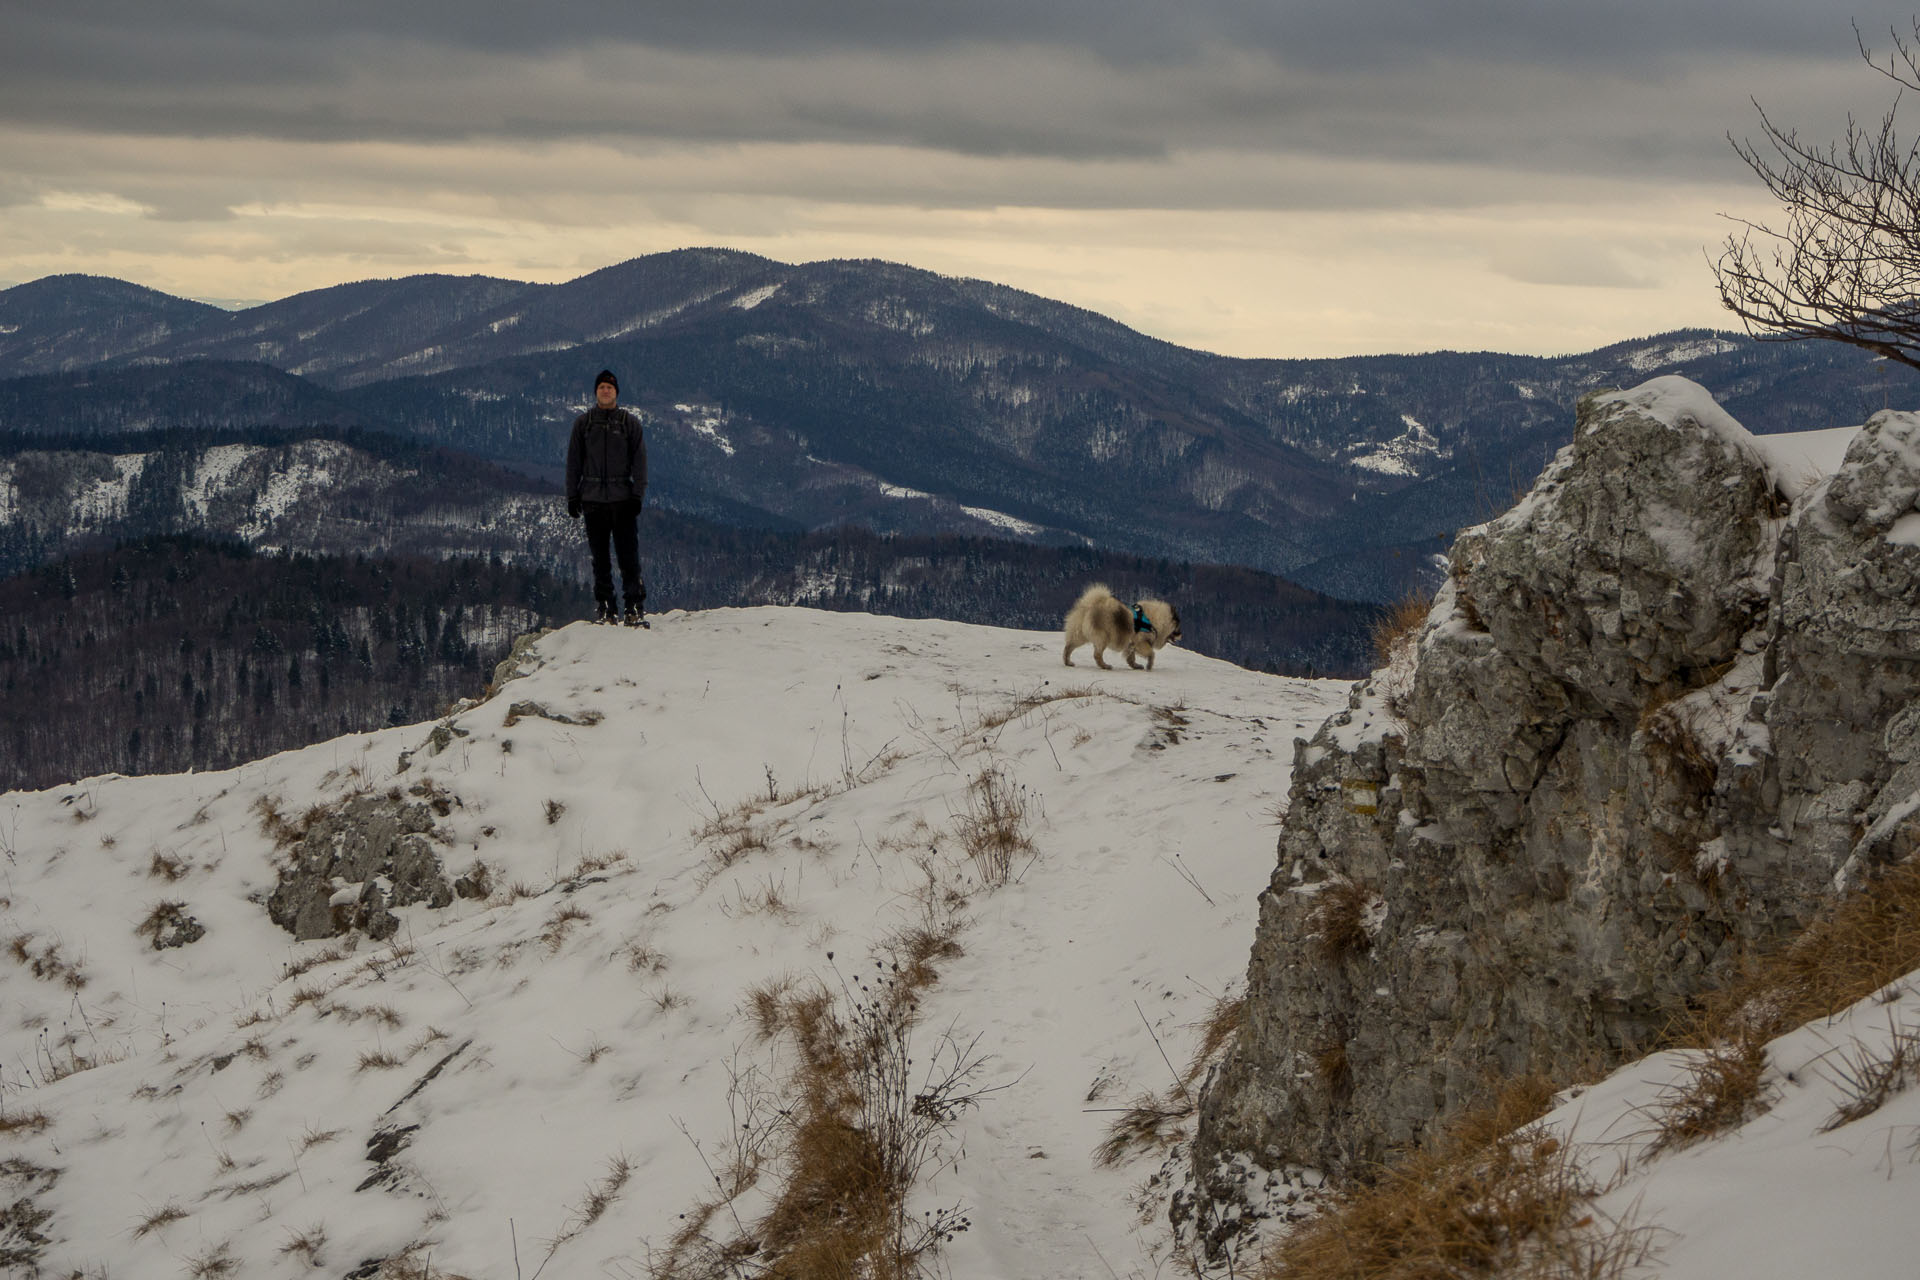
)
(1604, 85)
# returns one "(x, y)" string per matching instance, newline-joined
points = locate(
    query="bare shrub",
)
(993, 826)
(863, 1134)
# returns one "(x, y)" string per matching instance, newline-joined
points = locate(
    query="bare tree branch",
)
(1844, 264)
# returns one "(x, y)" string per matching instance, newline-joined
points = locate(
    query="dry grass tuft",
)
(553, 935)
(47, 964)
(166, 1215)
(1871, 1078)
(642, 956)
(1340, 919)
(1148, 1123)
(309, 1244)
(274, 824)
(1397, 625)
(164, 866)
(378, 1060)
(1026, 703)
(212, 1263)
(993, 827)
(26, 1123)
(1154, 1121)
(1723, 1089)
(314, 959)
(316, 1137)
(1489, 1198)
(766, 1005)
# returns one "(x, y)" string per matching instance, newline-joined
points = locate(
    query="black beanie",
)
(606, 375)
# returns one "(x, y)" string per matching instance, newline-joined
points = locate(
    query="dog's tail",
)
(1093, 593)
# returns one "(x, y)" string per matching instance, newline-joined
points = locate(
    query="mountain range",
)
(860, 392)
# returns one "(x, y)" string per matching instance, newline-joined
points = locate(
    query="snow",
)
(219, 1084)
(215, 468)
(1783, 1195)
(221, 1092)
(748, 301)
(1797, 460)
(1678, 353)
(1673, 400)
(1001, 519)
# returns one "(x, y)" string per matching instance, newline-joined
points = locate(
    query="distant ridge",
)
(870, 393)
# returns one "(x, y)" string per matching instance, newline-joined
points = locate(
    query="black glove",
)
(573, 508)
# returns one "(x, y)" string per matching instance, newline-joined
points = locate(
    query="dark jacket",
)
(607, 457)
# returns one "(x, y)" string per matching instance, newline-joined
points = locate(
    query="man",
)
(606, 482)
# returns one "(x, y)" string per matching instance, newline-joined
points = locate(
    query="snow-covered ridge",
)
(591, 1007)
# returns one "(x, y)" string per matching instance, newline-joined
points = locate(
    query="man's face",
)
(604, 395)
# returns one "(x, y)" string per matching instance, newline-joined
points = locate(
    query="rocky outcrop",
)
(357, 862)
(1656, 714)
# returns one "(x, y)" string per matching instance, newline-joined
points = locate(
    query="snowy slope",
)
(1799, 1191)
(184, 1109)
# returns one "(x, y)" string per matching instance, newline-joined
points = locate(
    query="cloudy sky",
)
(1255, 177)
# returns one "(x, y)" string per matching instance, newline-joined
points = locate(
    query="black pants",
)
(616, 522)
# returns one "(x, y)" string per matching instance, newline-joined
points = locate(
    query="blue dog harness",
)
(1140, 622)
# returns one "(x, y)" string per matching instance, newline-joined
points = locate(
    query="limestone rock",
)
(354, 864)
(1654, 717)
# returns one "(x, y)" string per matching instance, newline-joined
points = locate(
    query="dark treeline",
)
(1242, 615)
(179, 652)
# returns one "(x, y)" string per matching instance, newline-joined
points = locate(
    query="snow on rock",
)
(648, 826)
(1656, 717)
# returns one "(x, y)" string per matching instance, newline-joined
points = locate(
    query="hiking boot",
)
(634, 617)
(605, 613)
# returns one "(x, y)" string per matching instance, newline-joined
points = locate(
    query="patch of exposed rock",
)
(1656, 715)
(354, 864)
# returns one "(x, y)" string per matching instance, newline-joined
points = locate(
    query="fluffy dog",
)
(1099, 619)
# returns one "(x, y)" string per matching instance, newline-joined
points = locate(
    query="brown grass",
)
(993, 827)
(1488, 1198)
(1153, 1121)
(1397, 623)
(553, 935)
(1340, 920)
(274, 824)
(166, 867)
(1871, 1078)
(46, 964)
(378, 1060)
(164, 1216)
(24, 1123)
(309, 1244)
(1722, 1090)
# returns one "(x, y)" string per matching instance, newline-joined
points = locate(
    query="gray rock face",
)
(1654, 716)
(354, 865)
